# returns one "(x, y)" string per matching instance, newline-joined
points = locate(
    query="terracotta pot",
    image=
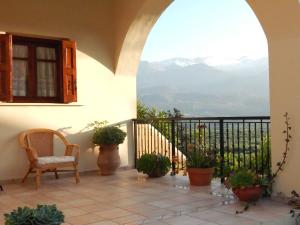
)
(200, 176)
(248, 194)
(109, 159)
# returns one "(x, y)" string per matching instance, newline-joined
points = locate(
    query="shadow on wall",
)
(88, 161)
(13, 159)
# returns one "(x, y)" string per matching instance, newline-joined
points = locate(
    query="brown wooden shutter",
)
(6, 67)
(69, 71)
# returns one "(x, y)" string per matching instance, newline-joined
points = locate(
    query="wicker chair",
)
(38, 144)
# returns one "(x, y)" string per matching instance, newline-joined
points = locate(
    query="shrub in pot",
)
(42, 215)
(246, 185)
(200, 165)
(108, 139)
(154, 165)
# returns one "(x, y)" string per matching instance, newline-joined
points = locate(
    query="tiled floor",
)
(131, 198)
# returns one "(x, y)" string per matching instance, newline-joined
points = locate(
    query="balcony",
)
(130, 197)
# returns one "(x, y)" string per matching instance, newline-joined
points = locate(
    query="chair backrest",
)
(41, 140)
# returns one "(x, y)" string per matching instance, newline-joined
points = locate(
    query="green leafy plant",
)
(108, 135)
(246, 178)
(42, 215)
(197, 157)
(154, 165)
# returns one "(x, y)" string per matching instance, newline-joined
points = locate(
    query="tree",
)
(149, 113)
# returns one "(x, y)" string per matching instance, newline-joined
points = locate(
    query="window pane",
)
(46, 79)
(20, 73)
(20, 51)
(45, 53)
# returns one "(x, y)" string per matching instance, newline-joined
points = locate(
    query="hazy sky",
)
(223, 30)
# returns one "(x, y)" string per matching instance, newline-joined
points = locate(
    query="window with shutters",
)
(37, 70)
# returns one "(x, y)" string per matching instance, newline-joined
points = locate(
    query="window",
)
(37, 70)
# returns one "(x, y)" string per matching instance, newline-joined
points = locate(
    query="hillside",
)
(200, 89)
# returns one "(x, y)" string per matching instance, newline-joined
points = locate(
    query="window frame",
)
(68, 80)
(32, 44)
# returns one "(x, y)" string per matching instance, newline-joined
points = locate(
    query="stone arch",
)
(129, 52)
(132, 36)
(280, 21)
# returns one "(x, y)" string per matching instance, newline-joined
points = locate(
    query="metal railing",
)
(235, 141)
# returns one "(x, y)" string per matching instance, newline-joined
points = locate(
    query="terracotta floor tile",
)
(70, 212)
(131, 198)
(113, 213)
(84, 219)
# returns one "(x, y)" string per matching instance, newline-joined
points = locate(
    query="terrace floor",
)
(131, 198)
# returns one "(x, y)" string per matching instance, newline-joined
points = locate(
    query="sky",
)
(222, 31)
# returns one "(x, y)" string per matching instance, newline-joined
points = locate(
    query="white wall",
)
(101, 94)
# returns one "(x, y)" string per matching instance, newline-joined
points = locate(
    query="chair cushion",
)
(55, 159)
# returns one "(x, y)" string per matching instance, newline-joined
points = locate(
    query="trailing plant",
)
(288, 137)
(154, 165)
(42, 215)
(280, 167)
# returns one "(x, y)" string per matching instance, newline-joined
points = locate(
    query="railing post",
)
(173, 148)
(222, 149)
(135, 141)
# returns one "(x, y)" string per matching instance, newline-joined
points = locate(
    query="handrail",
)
(236, 140)
(208, 118)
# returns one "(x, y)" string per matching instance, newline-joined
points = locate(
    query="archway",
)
(280, 21)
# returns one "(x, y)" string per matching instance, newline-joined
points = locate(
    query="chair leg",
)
(77, 176)
(56, 174)
(26, 175)
(38, 178)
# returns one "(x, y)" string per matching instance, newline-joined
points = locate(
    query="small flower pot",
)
(248, 194)
(200, 176)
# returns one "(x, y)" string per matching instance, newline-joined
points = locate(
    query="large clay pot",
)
(248, 194)
(200, 176)
(109, 159)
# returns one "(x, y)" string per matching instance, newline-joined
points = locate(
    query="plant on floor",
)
(245, 178)
(108, 135)
(154, 165)
(267, 183)
(247, 185)
(200, 165)
(198, 157)
(108, 139)
(41, 215)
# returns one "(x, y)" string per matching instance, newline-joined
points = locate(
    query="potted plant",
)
(246, 185)
(154, 165)
(200, 165)
(108, 139)
(42, 215)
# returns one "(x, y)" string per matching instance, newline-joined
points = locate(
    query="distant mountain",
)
(200, 89)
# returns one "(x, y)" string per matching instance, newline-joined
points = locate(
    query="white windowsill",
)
(41, 104)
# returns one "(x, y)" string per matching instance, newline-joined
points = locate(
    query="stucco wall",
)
(106, 32)
(280, 21)
(101, 94)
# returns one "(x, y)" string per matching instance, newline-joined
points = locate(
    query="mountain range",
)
(198, 88)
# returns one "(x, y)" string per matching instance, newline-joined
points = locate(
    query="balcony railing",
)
(235, 141)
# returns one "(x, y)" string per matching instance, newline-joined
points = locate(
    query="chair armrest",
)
(73, 149)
